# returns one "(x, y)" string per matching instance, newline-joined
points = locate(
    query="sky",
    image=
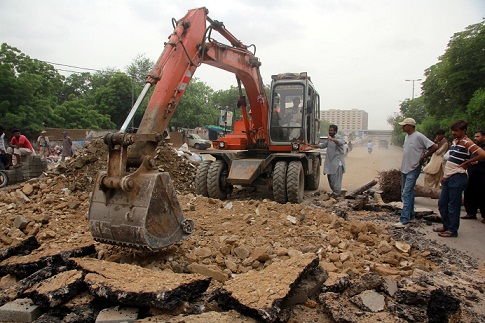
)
(357, 52)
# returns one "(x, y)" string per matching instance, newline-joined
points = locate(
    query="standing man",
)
(334, 165)
(66, 146)
(474, 193)
(19, 146)
(43, 144)
(455, 178)
(414, 154)
(433, 171)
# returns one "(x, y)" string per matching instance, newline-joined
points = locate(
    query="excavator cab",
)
(295, 111)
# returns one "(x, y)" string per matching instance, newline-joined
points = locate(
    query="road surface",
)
(363, 167)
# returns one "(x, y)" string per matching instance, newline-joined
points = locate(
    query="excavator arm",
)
(140, 209)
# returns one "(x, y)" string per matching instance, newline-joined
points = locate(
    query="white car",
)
(323, 151)
(195, 141)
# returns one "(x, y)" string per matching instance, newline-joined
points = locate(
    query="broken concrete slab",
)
(389, 286)
(57, 289)
(137, 286)
(118, 314)
(23, 266)
(336, 283)
(332, 305)
(366, 282)
(20, 310)
(16, 289)
(443, 307)
(23, 248)
(370, 300)
(219, 317)
(261, 294)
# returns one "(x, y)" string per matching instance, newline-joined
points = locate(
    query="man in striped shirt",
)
(455, 178)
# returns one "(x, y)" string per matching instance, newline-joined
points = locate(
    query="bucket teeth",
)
(148, 217)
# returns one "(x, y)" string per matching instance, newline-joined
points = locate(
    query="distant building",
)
(354, 120)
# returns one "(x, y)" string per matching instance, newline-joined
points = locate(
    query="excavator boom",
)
(140, 209)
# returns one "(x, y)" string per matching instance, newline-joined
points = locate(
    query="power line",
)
(81, 68)
(70, 71)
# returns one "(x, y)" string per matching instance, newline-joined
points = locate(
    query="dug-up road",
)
(362, 167)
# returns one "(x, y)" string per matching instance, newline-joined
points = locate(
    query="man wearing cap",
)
(43, 144)
(66, 146)
(414, 154)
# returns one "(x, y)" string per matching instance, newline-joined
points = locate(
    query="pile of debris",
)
(248, 259)
(390, 185)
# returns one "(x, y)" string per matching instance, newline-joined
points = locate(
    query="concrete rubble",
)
(249, 259)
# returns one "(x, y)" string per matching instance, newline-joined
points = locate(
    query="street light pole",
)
(412, 98)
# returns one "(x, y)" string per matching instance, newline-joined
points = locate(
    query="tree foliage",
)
(28, 90)
(195, 108)
(454, 87)
(139, 68)
(453, 82)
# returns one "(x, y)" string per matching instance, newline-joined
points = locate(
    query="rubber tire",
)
(197, 146)
(3, 179)
(201, 178)
(215, 180)
(313, 181)
(279, 182)
(295, 182)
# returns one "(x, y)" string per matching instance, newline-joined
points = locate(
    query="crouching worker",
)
(19, 146)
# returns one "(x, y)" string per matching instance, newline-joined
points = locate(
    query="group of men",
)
(20, 146)
(463, 170)
(457, 169)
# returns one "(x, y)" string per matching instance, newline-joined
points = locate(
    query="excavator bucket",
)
(148, 216)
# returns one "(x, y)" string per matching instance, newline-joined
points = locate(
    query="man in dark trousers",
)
(455, 178)
(475, 191)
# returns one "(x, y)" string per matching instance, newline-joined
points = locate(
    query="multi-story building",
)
(354, 120)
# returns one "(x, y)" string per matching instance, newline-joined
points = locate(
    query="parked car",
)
(323, 151)
(195, 141)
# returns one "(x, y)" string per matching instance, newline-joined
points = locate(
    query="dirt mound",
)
(231, 237)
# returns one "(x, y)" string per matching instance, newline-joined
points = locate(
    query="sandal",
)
(439, 229)
(448, 234)
(469, 216)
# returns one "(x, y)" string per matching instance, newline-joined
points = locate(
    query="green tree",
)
(414, 109)
(139, 68)
(476, 110)
(114, 99)
(28, 90)
(452, 83)
(195, 108)
(75, 114)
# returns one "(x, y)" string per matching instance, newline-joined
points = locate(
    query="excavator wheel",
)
(3, 179)
(295, 182)
(201, 178)
(313, 181)
(216, 180)
(279, 182)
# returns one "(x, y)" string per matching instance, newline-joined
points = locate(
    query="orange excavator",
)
(135, 205)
